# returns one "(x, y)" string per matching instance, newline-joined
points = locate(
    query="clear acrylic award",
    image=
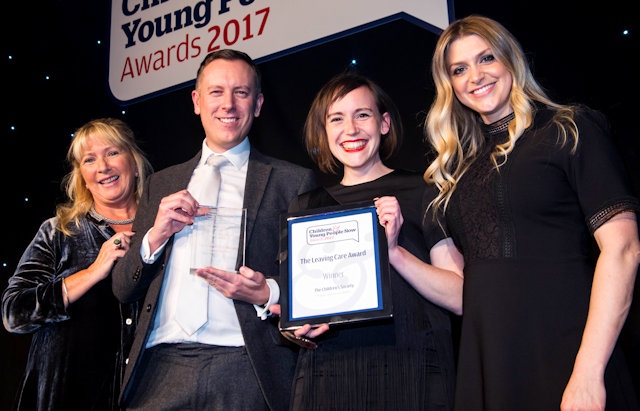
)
(217, 239)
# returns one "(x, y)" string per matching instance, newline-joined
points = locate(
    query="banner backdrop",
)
(157, 45)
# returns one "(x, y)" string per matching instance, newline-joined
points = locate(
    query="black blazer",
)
(271, 185)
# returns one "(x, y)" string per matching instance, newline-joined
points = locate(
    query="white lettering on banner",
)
(157, 45)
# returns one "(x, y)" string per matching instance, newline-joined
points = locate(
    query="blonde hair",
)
(453, 130)
(112, 131)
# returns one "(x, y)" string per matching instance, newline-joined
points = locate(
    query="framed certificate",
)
(334, 267)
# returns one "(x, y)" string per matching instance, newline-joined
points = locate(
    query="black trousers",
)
(197, 377)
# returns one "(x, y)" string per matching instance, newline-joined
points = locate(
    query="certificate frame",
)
(334, 267)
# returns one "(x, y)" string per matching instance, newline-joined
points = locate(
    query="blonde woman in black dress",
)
(527, 185)
(60, 292)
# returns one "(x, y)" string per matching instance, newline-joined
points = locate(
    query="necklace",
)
(100, 217)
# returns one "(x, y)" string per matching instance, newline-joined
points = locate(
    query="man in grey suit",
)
(236, 360)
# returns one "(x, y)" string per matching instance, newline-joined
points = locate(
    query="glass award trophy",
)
(217, 239)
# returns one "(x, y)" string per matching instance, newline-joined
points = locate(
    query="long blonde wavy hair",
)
(79, 199)
(453, 130)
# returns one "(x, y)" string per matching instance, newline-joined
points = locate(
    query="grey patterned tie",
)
(193, 302)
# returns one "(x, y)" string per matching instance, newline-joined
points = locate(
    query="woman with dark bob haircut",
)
(405, 362)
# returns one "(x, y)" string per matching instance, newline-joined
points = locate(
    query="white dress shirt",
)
(222, 327)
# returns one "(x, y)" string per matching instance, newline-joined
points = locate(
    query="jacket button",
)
(128, 321)
(148, 307)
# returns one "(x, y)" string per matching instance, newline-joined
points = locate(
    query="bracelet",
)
(65, 294)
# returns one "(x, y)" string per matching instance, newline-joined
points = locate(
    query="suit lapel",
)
(258, 173)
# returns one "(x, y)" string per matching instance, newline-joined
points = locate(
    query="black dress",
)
(526, 236)
(75, 358)
(406, 363)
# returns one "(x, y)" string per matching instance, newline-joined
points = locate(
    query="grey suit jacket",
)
(271, 185)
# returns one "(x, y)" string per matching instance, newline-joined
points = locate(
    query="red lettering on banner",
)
(161, 59)
(233, 29)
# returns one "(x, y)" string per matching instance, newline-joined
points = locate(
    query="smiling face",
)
(354, 127)
(227, 101)
(479, 80)
(108, 172)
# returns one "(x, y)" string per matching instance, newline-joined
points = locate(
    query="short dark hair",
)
(315, 135)
(231, 54)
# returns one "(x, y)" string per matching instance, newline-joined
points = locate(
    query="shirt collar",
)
(238, 155)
